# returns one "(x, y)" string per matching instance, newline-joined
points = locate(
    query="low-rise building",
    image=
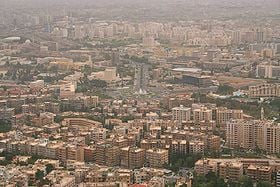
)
(259, 173)
(264, 90)
(231, 170)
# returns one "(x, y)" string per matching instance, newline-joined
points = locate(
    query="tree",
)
(221, 182)
(49, 168)
(125, 119)
(210, 176)
(264, 184)
(39, 175)
(44, 182)
(54, 69)
(5, 126)
(86, 70)
(233, 184)
(210, 180)
(225, 90)
(139, 59)
(98, 83)
(32, 159)
(246, 182)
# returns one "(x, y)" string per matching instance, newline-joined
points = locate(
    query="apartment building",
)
(213, 143)
(223, 115)
(71, 152)
(202, 114)
(157, 157)
(262, 134)
(80, 123)
(196, 147)
(204, 166)
(260, 173)
(231, 170)
(37, 85)
(98, 134)
(89, 153)
(181, 114)
(132, 157)
(264, 90)
(268, 71)
(107, 154)
(180, 147)
(67, 90)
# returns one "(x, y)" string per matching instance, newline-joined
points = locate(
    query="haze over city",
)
(140, 93)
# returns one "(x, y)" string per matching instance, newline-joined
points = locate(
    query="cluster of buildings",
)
(209, 114)
(253, 134)
(268, 70)
(109, 103)
(235, 169)
(264, 91)
(81, 174)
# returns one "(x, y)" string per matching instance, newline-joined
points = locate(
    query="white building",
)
(181, 114)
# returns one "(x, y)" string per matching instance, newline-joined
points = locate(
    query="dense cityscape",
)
(127, 93)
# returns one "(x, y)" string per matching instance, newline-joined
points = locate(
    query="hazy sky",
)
(147, 2)
(151, 8)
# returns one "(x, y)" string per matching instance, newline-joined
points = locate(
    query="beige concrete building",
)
(181, 114)
(80, 123)
(136, 158)
(213, 143)
(261, 134)
(202, 114)
(66, 66)
(231, 170)
(204, 166)
(264, 90)
(98, 134)
(259, 173)
(107, 154)
(61, 178)
(223, 115)
(37, 85)
(268, 71)
(67, 90)
(132, 157)
(196, 147)
(157, 157)
(70, 152)
(180, 147)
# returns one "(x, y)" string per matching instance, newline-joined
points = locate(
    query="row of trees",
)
(176, 161)
(225, 90)
(85, 84)
(19, 72)
(212, 180)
